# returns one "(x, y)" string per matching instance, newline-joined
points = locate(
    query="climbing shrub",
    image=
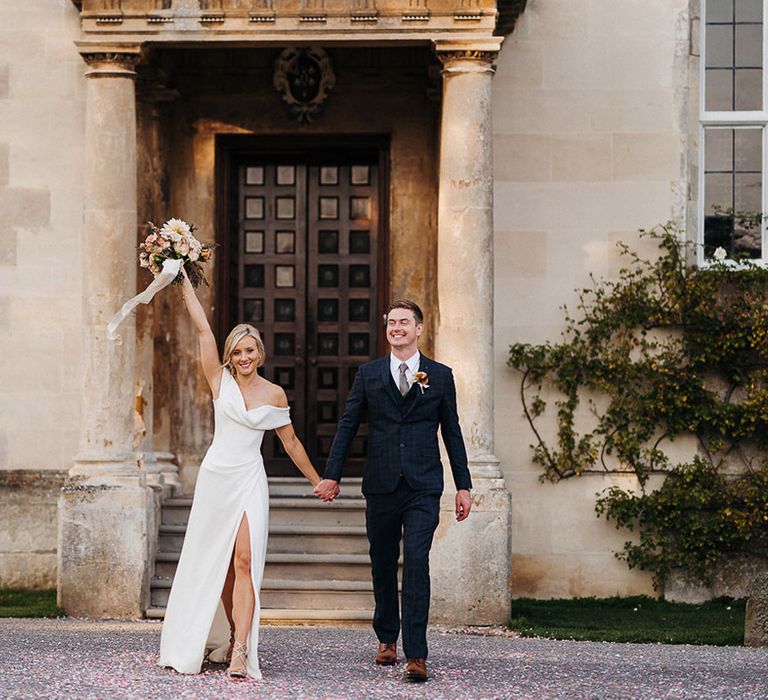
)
(664, 350)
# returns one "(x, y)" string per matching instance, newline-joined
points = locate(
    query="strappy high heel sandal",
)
(237, 666)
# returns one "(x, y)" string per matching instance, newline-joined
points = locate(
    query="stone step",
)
(320, 539)
(288, 510)
(287, 594)
(292, 486)
(308, 539)
(281, 616)
(293, 566)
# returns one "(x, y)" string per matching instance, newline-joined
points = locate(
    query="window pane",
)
(285, 242)
(719, 46)
(254, 176)
(719, 89)
(733, 185)
(254, 241)
(718, 149)
(284, 276)
(253, 310)
(718, 192)
(285, 207)
(720, 10)
(748, 149)
(254, 207)
(286, 174)
(749, 45)
(329, 175)
(747, 192)
(359, 175)
(749, 10)
(749, 89)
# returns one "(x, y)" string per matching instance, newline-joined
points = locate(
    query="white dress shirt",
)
(413, 367)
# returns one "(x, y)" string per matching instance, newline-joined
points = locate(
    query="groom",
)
(406, 397)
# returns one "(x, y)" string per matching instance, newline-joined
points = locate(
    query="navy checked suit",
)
(402, 484)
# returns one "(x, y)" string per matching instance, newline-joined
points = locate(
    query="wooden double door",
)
(304, 265)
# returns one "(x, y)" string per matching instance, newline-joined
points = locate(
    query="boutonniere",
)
(422, 379)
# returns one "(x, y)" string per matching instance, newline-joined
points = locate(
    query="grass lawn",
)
(16, 603)
(635, 619)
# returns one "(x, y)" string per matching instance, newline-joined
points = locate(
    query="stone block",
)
(633, 111)
(555, 20)
(646, 156)
(756, 622)
(5, 314)
(732, 577)
(522, 157)
(8, 247)
(104, 549)
(25, 207)
(653, 20)
(575, 64)
(5, 150)
(581, 158)
(469, 562)
(510, 106)
(28, 503)
(28, 570)
(5, 82)
(519, 254)
(520, 62)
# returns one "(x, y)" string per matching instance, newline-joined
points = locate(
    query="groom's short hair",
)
(411, 306)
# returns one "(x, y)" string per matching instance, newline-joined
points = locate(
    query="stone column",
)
(471, 560)
(105, 509)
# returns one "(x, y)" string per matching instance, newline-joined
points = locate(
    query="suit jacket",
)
(402, 431)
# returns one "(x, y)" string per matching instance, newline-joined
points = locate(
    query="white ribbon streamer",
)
(169, 273)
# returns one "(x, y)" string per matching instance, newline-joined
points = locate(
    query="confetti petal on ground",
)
(71, 658)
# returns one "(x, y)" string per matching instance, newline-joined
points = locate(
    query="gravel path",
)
(85, 659)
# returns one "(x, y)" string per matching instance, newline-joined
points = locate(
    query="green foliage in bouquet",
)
(666, 349)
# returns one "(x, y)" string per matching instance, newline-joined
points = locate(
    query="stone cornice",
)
(332, 21)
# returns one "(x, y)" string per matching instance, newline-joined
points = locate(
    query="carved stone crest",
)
(304, 77)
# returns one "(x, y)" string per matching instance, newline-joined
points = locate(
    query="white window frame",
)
(736, 119)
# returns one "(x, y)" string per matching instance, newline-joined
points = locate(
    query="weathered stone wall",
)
(28, 521)
(591, 128)
(41, 143)
(41, 155)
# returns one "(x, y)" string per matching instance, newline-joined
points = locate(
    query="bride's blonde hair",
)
(240, 331)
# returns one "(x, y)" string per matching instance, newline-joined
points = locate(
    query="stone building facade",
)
(495, 152)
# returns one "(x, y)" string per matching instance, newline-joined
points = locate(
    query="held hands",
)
(463, 504)
(327, 489)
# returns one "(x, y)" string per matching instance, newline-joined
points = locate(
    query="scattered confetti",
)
(87, 659)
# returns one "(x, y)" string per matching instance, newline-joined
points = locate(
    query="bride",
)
(221, 564)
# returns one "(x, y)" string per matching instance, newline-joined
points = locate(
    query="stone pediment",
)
(332, 21)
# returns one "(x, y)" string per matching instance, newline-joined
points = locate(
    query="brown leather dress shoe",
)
(416, 670)
(387, 655)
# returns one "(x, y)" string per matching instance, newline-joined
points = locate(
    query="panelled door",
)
(304, 269)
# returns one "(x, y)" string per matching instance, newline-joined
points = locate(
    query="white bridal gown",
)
(231, 482)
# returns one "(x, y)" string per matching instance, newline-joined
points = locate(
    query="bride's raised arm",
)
(209, 354)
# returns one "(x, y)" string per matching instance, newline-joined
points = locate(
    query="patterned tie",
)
(404, 386)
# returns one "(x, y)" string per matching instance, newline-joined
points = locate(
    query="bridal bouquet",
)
(163, 252)
(174, 241)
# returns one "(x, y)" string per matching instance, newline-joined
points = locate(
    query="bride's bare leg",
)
(226, 592)
(226, 601)
(243, 599)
